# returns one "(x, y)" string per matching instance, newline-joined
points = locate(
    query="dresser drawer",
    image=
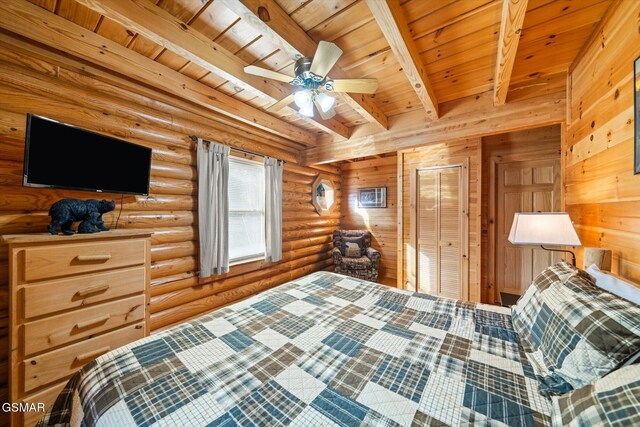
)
(73, 292)
(44, 262)
(54, 365)
(46, 396)
(64, 328)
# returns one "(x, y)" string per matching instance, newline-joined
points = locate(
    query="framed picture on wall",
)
(636, 115)
(372, 197)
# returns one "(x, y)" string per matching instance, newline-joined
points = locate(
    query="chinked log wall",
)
(42, 82)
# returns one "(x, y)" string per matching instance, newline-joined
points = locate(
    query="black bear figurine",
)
(64, 212)
(91, 224)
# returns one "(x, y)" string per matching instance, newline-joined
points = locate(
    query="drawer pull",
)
(95, 258)
(92, 354)
(93, 322)
(92, 290)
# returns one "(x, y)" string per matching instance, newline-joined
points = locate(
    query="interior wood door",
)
(440, 231)
(524, 186)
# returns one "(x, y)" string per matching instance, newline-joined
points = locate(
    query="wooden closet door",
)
(451, 228)
(527, 186)
(427, 231)
(440, 232)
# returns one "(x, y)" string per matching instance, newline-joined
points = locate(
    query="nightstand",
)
(508, 300)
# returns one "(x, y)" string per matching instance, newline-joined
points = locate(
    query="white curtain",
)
(273, 209)
(213, 207)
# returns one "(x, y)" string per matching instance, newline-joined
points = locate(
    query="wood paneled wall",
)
(381, 222)
(602, 194)
(52, 85)
(442, 154)
(531, 144)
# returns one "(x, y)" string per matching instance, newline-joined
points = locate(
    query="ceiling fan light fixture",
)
(303, 99)
(307, 110)
(326, 102)
(311, 78)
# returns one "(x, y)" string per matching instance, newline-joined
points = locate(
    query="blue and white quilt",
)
(322, 350)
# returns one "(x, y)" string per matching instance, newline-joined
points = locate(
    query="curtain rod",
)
(195, 139)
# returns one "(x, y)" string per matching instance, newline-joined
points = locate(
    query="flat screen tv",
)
(59, 155)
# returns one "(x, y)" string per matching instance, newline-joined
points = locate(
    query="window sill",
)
(254, 258)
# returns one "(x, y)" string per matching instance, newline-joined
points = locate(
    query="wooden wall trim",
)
(400, 283)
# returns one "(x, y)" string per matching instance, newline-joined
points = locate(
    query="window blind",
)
(246, 209)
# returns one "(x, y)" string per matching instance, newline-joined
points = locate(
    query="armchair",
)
(362, 267)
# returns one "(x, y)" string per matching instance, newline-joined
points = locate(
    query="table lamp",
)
(544, 229)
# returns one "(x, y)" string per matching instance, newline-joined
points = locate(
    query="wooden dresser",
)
(72, 298)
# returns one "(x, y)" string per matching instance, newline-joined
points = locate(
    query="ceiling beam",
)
(513, 12)
(161, 27)
(268, 18)
(35, 23)
(469, 117)
(394, 26)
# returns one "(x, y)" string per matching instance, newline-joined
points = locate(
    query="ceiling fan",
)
(311, 77)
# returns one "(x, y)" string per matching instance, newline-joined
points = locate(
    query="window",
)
(246, 210)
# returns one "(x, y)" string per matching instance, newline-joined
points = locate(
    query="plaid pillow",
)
(611, 401)
(574, 332)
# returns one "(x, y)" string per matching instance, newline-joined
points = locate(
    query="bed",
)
(322, 350)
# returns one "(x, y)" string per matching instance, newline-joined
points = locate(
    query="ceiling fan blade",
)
(325, 58)
(281, 104)
(263, 72)
(355, 85)
(327, 115)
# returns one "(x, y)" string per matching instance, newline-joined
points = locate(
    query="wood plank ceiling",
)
(456, 41)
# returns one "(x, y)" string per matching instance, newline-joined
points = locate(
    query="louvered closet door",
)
(450, 233)
(427, 231)
(440, 227)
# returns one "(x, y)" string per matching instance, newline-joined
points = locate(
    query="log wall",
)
(49, 84)
(602, 194)
(381, 222)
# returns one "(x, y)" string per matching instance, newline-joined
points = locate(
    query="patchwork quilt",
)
(322, 350)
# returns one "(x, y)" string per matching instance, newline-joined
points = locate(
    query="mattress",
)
(322, 350)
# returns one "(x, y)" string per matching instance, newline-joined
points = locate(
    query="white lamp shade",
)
(543, 228)
(325, 102)
(303, 99)
(307, 111)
